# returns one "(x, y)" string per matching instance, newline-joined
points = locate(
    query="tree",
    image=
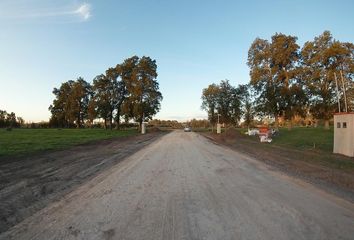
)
(248, 113)
(126, 71)
(20, 121)
(285, 58)
(223, 100)
(347, 70)
(3, 115)
(129, 89)
(274, 75)
(342, 62)
(144, 98)
(228, 103)
(262, 79)
(79, 100)
(91, 111)
(324, 60)
(209, 102)
(103, 89)
(11, 120)
(70, 104)
(60, 109)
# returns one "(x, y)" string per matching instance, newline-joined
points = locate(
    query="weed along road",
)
(183, 186)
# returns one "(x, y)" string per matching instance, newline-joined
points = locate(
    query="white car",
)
(187, 129)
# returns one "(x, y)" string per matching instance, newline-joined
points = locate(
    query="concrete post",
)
(143, 128)
(218, 128)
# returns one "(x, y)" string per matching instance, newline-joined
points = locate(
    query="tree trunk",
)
(118, 120)
(118, 123)
(140, 124)
(141, 120)
(105, 123)
(290, 125)
(326, 124)
(78, 124)
(111, 120)
(78, 121)
(276, 122)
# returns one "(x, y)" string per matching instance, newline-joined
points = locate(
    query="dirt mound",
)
(227, 135)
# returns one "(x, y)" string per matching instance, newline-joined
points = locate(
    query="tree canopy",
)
(222, 101)
(287, 81)
(128, 90)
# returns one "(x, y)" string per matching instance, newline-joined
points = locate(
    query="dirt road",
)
(184, 187)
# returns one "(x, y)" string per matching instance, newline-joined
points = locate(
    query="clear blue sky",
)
(44, 43)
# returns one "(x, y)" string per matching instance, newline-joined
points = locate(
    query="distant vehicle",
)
(187, 129)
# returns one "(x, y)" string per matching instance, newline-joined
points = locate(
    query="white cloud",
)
(82, 12)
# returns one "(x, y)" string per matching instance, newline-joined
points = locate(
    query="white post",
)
(218, 128)
(143, 128)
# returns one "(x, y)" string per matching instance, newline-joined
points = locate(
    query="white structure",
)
(218, 128)
(143, 128)
(344, 134)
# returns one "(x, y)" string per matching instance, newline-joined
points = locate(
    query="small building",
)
(344, 134)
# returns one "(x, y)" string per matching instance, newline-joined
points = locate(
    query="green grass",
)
(26, 141)
(317, 140)
(305, 138)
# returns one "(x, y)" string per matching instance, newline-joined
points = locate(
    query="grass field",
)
(316, 140)
(305, 138)
(25, 141)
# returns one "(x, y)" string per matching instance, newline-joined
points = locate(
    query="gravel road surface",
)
(185, 187)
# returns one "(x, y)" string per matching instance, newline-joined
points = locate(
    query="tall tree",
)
(144, 97)
(263, 81)
(222, 102)
(323, 61)
(61, 114)
(229, 104)
(3, 115)
(248, 112)
(274, 75)
(342, 62)
(104, 98)
(79, 100)
(70, 104)
(11, 120)
(126, 72)
(347, 69)
(91, 111)
(285, 63)
(129, 89)
(209, 102)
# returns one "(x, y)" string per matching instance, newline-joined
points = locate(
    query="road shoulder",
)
(28, 184)
(292, 163)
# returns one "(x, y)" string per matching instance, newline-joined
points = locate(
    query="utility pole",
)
(338, 98)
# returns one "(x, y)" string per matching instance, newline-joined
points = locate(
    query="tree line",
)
(127, 91)
(165, 123)
(288, 81)
(9, 120)
(193, 123)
